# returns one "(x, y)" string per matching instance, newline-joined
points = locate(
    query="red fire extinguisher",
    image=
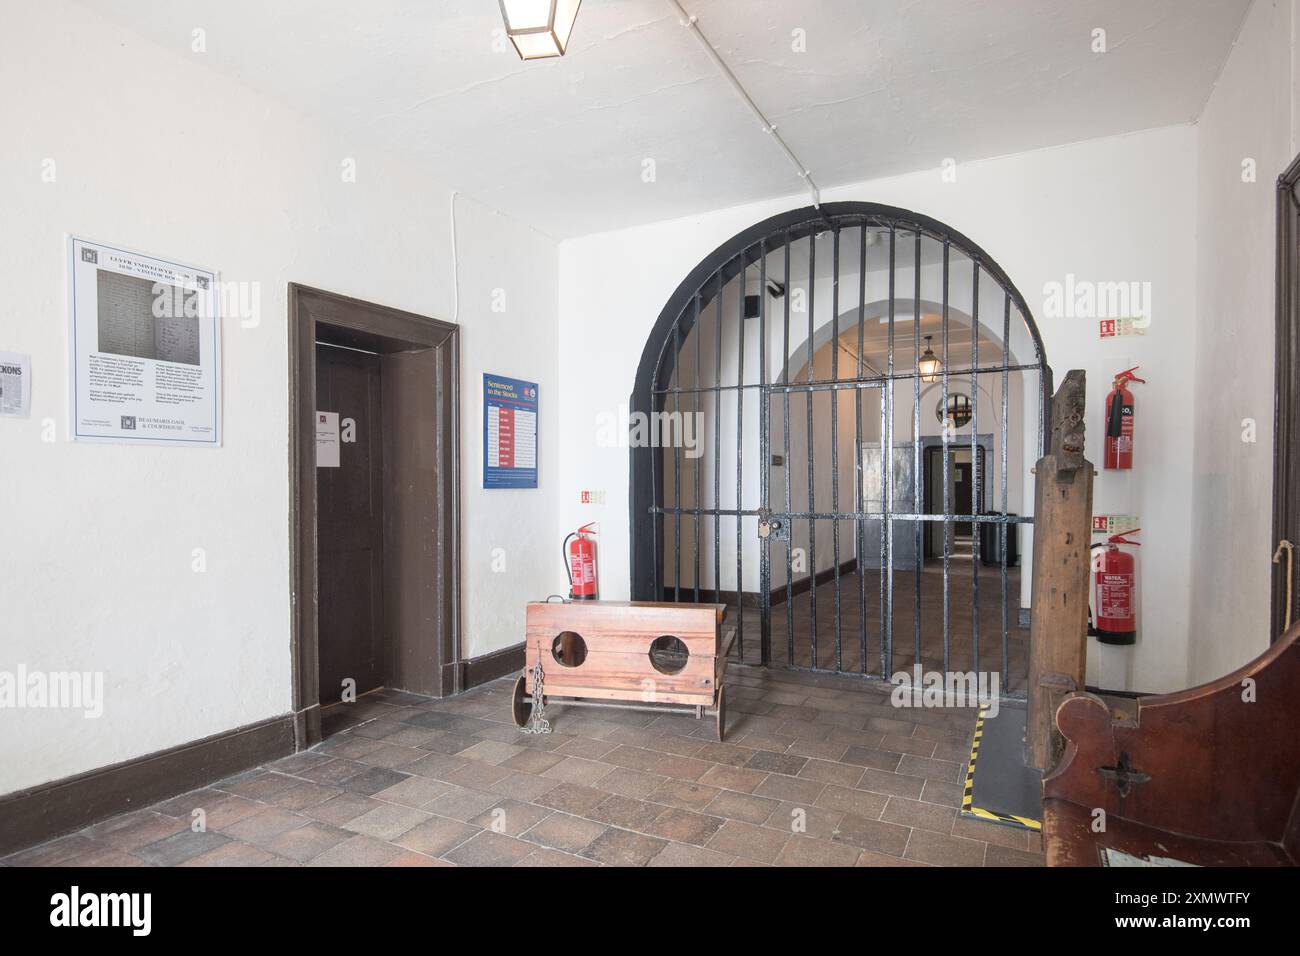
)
(1115, 591)
(1119, 421)
(580, 562)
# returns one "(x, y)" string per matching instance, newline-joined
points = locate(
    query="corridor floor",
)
(974, 642)
(816, 770)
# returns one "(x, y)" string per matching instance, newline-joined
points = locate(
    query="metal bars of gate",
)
(774, 519)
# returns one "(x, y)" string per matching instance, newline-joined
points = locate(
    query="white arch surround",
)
(877, 313)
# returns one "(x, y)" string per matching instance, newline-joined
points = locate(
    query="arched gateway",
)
(775, 379)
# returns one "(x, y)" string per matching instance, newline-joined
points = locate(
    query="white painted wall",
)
(1250, 115)
(155, 152)
(518, 525)
(1114, 209)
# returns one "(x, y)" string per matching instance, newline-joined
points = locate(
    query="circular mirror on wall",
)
(958, 411)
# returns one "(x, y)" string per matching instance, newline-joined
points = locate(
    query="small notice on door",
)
(509, 433)
(15, 385)
(327, 439)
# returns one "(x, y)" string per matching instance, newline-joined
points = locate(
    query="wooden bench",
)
(632, 654)
(1206, 776)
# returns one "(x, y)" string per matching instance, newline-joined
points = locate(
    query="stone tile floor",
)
(411, 781)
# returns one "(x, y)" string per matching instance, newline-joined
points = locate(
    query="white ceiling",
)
(885, 86)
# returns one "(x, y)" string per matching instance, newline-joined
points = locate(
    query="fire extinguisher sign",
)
(509, 432)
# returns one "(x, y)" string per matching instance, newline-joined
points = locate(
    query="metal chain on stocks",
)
(537, 722)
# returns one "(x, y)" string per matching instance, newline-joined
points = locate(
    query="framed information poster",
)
(146, 348)
(509, 432)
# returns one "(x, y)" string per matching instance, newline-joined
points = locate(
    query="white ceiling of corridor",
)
(883, 87)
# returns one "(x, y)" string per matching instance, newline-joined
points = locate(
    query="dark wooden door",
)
(349, 523)
(932, 497)
(962, 496)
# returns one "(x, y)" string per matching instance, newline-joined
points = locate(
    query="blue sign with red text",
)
(509, 432)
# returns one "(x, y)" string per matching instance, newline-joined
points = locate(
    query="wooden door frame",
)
(1286, 389)
(376, 328)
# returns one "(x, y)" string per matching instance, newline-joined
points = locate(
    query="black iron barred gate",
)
(822, 335)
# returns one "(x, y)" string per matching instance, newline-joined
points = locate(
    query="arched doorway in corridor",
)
(843, 404)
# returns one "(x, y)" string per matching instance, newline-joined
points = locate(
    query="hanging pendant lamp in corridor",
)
(929, 365)
(539, 28)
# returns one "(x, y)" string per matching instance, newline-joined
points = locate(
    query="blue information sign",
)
(509, 432)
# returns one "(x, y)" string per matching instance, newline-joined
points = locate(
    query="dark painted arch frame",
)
(724, 263)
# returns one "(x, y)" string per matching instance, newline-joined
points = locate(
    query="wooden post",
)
(1058, 630)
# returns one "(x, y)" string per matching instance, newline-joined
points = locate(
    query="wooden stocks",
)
(1059, 589)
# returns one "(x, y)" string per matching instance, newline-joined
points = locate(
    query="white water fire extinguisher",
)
(580, 562)
(1115, 591)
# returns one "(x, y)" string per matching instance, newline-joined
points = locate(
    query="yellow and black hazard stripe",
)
(968, 808)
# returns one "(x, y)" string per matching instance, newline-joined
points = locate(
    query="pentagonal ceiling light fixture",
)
(539, 28)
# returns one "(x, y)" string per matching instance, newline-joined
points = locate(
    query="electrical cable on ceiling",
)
(689, 21)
